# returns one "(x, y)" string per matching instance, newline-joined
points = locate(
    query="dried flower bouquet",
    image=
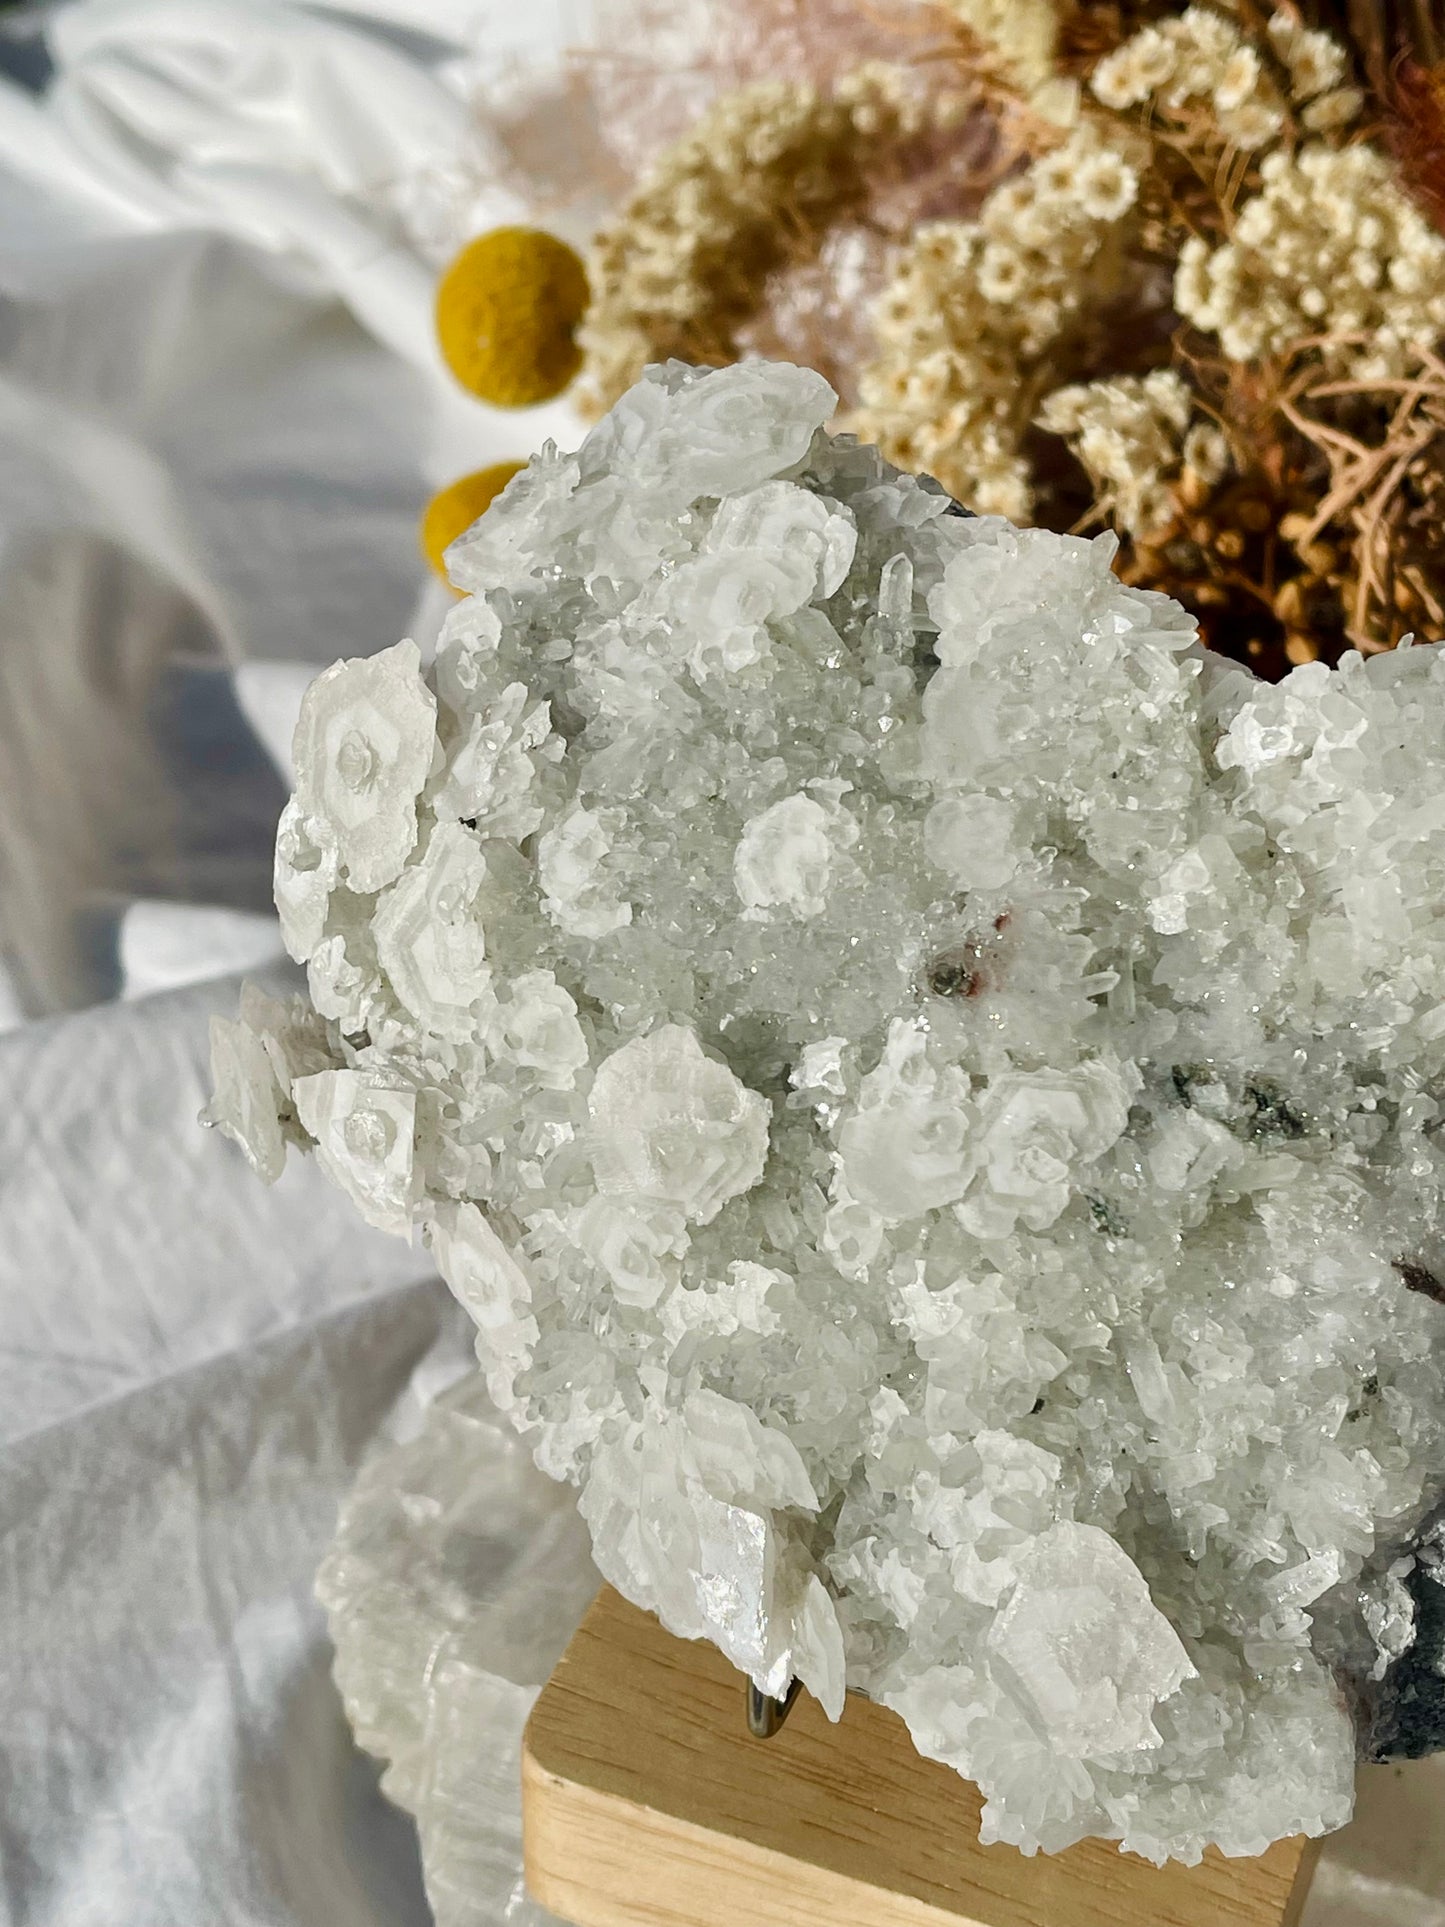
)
(1179, 276)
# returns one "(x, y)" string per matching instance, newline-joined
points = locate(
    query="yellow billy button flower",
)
(453, 509)
(507, 314)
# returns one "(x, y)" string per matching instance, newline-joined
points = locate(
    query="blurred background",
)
(221, 411)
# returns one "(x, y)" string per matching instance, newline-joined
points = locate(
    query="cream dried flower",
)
(1240, 80)
(1329, 112)
(683, 265)
(1206, 454)
(1316, 62)
(1135, 70)
(1107, 186)
(1328, 247)
(974, 309)
(1200, 71)
(1128, 433)
(1024, 34)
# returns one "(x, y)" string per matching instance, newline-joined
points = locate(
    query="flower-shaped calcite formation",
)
(429, 931)
(682, 1512)
(364, 745)
(786, 855)
(255, 1062)
(1095, 1690)
(492, 1284)
(1034, 1128)
(365, 1134)
(672, 1124)
(246, 1098)
(933, 1092)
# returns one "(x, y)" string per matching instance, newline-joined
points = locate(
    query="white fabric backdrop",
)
(221, 411)
(190, 1371)
(219, 415)
(219, 418)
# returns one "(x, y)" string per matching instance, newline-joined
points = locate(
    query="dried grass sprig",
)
(1379, 492)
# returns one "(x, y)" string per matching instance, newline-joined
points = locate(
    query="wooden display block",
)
(646, 1803)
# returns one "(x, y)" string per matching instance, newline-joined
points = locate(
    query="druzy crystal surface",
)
(926, 1083)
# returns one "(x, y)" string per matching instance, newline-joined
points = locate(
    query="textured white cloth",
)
(191, 1368)
(212, 458)
(344, 142)
(220, 415)
(200, 464)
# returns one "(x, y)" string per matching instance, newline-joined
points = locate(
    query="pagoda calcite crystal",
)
(925, 1082)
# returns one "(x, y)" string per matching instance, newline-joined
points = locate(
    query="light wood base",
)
(646, 1803)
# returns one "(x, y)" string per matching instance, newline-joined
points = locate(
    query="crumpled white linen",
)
(137, 1246)
(191, 1369)
(220, 415)
(348, 144)
(201, 464)
(165, 946)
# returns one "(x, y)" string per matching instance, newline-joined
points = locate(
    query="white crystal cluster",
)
(924, 1082)
(455, 1580)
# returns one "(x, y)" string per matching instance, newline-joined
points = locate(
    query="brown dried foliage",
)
(1415, 127)
(1330, 531)
(1330, 535)
(1379, 33)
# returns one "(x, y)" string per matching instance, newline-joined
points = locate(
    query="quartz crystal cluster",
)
(927, 1084)
(457, 1576)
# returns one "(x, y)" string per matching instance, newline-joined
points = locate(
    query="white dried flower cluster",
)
(1200, 68)
(1328, 247)
(691, 249)
(1135, 435)
(973, 307)
(930, 1087)
(1318, 69)
(1024, 34)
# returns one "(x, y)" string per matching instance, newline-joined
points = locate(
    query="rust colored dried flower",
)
(1417, 135)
